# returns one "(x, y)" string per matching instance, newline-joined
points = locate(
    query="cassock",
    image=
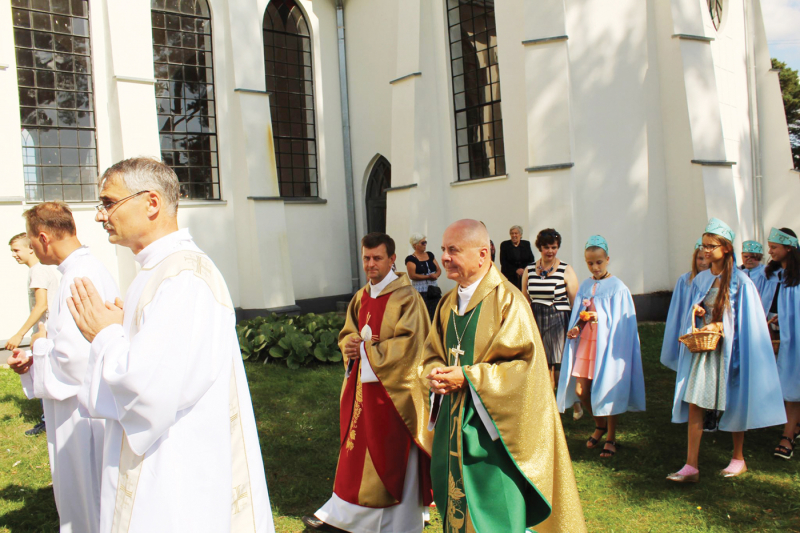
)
(383, 476)
(74, 444)
(618, 383)
(753, 392)
(500, 461)
(679, 308)
(181, 447)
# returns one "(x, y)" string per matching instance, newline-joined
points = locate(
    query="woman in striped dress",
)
(550, 286)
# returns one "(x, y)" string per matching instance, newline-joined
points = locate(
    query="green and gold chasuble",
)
(476, 462)
(524, 478)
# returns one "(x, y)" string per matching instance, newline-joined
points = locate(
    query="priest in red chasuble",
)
(383, 477)
(500, 461)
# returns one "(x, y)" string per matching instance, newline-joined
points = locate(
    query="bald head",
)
(469, 232)
(465, 251)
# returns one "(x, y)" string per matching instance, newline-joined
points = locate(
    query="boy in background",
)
(42, 295)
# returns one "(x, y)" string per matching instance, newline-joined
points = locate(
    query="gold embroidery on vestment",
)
(351, 436)
(455, 515)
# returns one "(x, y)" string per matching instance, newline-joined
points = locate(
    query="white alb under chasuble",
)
(181, 450)
(74, 443)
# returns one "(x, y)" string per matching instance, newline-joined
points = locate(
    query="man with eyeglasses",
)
(165, 372)
(58, 365)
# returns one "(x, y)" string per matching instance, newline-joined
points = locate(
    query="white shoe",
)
(577, 411)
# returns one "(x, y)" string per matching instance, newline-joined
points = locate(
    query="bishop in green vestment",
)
(500, 461)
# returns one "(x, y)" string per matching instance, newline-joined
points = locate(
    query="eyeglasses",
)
(710, 247)
(423, 243)
(103, 208)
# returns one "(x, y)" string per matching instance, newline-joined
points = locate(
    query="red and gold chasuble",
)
(374, 440)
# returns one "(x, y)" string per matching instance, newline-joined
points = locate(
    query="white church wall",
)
(318, 246)
(781, 184)
(608, 63)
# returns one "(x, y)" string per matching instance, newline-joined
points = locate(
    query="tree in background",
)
(790, 87)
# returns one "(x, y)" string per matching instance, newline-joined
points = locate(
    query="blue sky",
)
(782, 22)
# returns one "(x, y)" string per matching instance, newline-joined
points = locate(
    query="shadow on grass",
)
(29, 410)
(37, 511)
(617, 492)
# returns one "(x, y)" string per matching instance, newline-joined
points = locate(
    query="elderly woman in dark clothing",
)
(424, 270)
(515, 255)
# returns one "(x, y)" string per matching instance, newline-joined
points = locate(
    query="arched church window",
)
(54, 78)
(290, 82)
(476, 89)
(715, 10)
(185, 98)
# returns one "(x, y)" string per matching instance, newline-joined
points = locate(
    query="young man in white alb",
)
(42, 296)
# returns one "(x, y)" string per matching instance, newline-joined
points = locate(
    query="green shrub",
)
(299, 340)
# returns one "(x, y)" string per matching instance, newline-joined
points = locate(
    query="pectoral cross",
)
(456, 353)
(239, 494)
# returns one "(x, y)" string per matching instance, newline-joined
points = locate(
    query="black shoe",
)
(312, 522)
(711, 421)
(35, 430)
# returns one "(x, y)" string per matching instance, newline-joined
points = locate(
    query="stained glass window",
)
(185, 100)
(287, 56)
(476, 89)
(715, 10)
(54, 77)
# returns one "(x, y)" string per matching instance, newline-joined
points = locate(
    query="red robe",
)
(374, 439)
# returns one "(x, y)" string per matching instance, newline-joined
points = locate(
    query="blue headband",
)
(752, 247)
(598, 241)
(717, 227)
(776, 236)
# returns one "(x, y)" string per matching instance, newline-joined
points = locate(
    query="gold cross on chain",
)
(456, 353)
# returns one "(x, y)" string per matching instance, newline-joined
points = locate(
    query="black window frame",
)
(188, 133)
(292, 99)
(475, 84)
(53, 47)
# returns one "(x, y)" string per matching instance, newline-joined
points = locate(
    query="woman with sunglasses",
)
(424, 270)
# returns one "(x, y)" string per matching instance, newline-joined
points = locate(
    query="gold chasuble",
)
(518, 475)
(380, 421)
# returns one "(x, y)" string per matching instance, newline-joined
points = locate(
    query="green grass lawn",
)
(297, 413)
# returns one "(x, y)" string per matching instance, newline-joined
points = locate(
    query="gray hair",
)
(518, 228)
(415, 238)
(146, 174)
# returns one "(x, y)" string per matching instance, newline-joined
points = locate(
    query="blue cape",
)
(789, 353)
(753, 390)
(679, 307)
(766, 287)
(752, 272)
(618, 383)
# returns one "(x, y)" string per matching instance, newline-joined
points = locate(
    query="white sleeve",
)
(174, 358)
(59, 361)
(367, 374)
(484, 416)
(26, 380)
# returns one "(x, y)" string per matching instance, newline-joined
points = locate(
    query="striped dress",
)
(551, 310)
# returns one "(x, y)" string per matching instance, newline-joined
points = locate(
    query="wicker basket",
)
(776, 345)
(700, 341)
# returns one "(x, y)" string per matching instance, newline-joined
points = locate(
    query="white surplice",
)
(409, 515)
(163, 382)
(74, 444)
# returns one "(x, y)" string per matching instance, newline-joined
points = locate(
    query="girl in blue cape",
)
(780, 283)
(602, 363)
(679, 306)
(740, 377)
(752, 254)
